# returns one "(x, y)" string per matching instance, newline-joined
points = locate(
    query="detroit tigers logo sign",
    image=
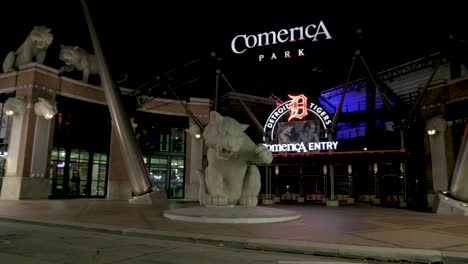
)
(297, 106)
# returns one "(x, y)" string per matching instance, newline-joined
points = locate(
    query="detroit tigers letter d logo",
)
(298, 106)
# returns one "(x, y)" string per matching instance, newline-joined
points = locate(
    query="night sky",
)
(145, 39)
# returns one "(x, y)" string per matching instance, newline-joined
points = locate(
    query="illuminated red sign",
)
(297, 106)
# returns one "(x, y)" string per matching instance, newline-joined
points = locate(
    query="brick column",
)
(195, 152)
(440, 177)
(30, 144)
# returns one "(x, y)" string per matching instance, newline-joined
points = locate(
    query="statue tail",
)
(9, 62)
(202, 190)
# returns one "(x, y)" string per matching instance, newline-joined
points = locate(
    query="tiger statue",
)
(76, 58)
(34, 47)
(45, 108)
(228, 178)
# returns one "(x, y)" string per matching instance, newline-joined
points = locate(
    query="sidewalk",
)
(372, 232)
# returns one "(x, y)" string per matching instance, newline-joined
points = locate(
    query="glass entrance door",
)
(77, 173)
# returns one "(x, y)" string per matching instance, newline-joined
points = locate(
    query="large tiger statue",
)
(34, 47)
(77, 58)
(228, 178)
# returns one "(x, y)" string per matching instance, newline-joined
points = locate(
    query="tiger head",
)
(41, 37)
(70, 55)
(225, 135)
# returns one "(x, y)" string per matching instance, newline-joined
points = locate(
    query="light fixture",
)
(276, 169)
(431, 132)
(364, 148)
(45, 108)
(194, 131)
(15, 105)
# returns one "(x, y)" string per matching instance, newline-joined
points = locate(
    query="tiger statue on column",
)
(77, 58)
(34, 47)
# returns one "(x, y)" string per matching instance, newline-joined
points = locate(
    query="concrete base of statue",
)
(377, 201)
(152, 198)
(332, 203)
(443, 204)
(350, 200)
(231, 214)
(268, 201)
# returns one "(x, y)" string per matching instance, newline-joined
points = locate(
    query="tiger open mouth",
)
(40, 44)
(222, 153)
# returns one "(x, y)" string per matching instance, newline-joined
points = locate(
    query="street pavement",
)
(35, 244)
(356, 232)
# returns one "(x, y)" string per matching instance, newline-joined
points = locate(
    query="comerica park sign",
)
(308, 139)
(302, 147)
(313, 32)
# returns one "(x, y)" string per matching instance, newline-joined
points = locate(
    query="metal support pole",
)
(267, 183)
(403, 184)
(218, 72)
(402, 138)
(325, 184)
(332, 182)
(269, 186)
(136, 169)
(376, 185)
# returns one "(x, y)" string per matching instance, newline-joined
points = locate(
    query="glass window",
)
(158, 161)
(178, 140)
(103, 158)
(54, 154)
(176, 184)
(84, 156)
(99, 175)
(57, 171)
(75, 154)
(164, 141)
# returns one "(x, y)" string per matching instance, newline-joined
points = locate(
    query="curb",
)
(294, 247)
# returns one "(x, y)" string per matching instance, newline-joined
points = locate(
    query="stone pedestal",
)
(332, 203)
(350, 200)
(231, 215)
(152, 198)
(446, 205)
(376, 201)
(268, 201)
(300, 200)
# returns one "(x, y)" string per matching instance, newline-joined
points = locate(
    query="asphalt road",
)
(36, 244)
